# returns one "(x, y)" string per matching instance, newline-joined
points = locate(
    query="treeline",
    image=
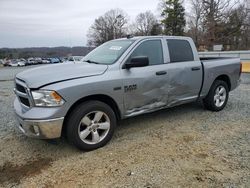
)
(208, 22)
(15, 53)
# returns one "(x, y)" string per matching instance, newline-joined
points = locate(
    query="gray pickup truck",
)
(119, 79)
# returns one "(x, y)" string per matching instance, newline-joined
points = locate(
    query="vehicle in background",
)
(38, 60)
(63, 59)
(31, 61)
(17, 63)
(45, 61)
(6, 62)
(21, 62)
(75, 59)
(122, 78)
(54, 60)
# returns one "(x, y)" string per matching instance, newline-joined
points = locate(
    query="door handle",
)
(161, 73)
(195, 68)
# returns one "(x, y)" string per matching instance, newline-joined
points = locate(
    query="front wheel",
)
(217, 97)
(91, 125)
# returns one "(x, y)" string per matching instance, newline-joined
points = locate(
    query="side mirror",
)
(139, 61)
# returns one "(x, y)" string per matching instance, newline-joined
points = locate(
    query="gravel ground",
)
(185, 146)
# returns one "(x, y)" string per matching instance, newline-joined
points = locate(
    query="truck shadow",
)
(133, 124)
(161, 115)
(59, 148)
(140, 123)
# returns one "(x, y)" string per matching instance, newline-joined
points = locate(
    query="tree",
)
(145, 22)
(233, 30)
(246, 27)
(110, 26)
(173, 13)
(218, 22)
(195, 22)
(157, 29)
(214, 18)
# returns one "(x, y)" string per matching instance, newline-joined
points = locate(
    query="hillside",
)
(43, 52)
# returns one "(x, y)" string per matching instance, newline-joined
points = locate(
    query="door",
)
(145, 88)
(185, 73)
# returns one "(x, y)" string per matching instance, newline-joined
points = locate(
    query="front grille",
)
(20, 88)
(22, 93)
(25, 101)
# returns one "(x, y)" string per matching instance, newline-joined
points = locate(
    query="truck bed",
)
(215, 58)
(220, 66)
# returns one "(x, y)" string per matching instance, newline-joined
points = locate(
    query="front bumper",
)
(42, 129)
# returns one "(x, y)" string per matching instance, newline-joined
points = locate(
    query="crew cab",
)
(121, 78)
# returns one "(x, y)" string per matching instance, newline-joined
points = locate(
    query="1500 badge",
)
(130, 88)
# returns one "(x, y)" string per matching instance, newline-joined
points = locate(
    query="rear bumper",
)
(42, 129)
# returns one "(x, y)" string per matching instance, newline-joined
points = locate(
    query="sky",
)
(50, 23)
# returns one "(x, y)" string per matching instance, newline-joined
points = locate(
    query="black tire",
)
(209, 102)
(76, 116)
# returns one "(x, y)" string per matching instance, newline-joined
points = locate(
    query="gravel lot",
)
(185, 146)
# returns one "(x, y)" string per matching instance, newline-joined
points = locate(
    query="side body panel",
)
(147, 91)
(184, 84)
(184, 78)
(214, 68)
(150, 91)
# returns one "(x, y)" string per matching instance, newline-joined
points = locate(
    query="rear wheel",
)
(217, 97)
(91, 125)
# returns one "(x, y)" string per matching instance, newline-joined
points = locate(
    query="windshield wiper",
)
(90, 61)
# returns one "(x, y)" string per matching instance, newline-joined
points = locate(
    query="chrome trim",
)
(32, 103)
(42, 129)
(20, 83)
(23, 105)
(26, 95)
(20, 93)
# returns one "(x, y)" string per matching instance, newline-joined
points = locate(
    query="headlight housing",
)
(45, 98)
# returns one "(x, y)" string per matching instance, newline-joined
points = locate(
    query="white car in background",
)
(75, 59)
(45, 61)
(31, 61)
(17, 63)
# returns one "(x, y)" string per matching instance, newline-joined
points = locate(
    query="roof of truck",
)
(149, 37)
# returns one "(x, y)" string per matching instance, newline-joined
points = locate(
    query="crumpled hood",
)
(43, 75)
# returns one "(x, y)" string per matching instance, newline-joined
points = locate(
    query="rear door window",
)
(180, 50)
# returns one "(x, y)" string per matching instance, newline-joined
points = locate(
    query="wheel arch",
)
(97, 97)
(226, 79)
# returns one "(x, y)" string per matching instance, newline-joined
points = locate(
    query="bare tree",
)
(195, 23)
(219, 22)
(246, 26)
(110, 26)
(144, 23)
(214, 17)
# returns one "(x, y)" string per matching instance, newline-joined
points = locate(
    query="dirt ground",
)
(185, 146)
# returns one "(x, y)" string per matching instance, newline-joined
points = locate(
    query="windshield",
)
(108, 52)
